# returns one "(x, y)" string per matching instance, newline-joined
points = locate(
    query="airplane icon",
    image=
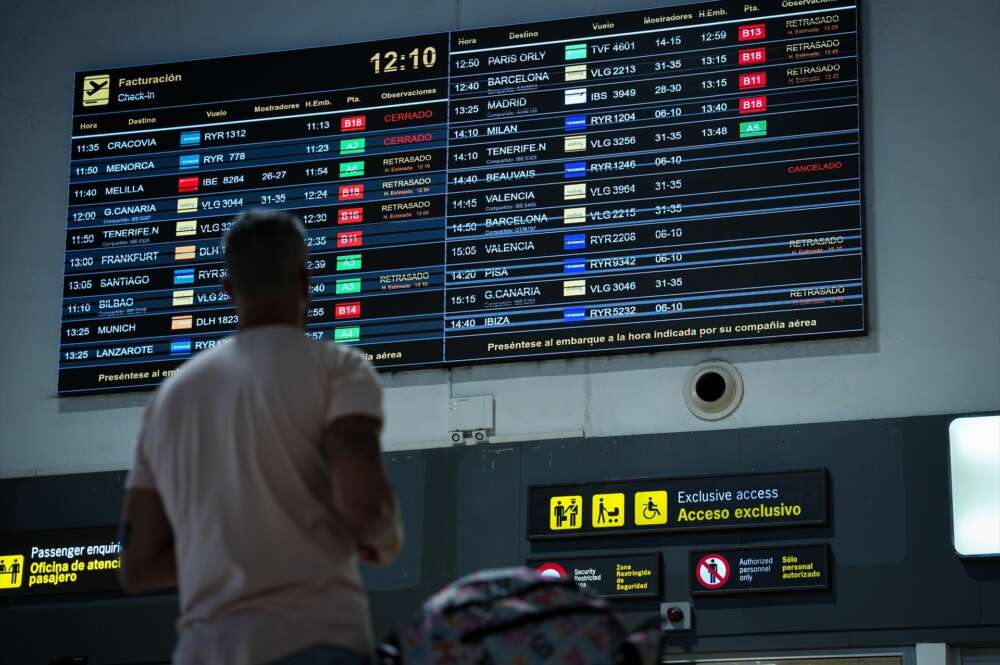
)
(96, 90)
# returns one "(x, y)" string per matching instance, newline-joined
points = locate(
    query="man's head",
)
(266, 270)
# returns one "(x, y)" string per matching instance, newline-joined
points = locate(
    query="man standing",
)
(258, 478)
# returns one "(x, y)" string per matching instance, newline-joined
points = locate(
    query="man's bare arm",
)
(362, 494)
(148, 560)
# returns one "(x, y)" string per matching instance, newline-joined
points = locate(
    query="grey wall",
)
(896, 579)
(933, 76)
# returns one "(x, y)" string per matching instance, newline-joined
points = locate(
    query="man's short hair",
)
(265, 253)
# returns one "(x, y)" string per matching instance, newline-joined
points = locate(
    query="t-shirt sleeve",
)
(141, 474)
(354, 389)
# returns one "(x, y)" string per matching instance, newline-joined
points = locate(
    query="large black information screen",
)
(655, 179)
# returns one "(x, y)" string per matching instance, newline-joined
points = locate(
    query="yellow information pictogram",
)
(650, 508)
(565, 512)
(96, 90)
(607, 510)
(11, 571)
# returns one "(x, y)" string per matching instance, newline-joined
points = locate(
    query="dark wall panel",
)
(895, 577)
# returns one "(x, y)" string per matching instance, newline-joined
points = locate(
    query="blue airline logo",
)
(184, 276)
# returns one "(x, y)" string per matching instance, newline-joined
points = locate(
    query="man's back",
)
(233, 444)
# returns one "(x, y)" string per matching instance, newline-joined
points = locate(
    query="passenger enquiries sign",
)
(67, 561)
(651, 505)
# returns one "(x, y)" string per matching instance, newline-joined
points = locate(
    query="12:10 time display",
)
(392, 61)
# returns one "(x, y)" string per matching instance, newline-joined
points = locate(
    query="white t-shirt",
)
(232, 445)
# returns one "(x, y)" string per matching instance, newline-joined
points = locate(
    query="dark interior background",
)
(896, 578)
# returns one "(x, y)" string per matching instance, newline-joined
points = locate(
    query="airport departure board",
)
(676, 177)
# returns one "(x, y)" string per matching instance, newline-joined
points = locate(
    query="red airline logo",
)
(347, 310)
(753, 80)
(185, 185)
(352, 123)
(351, 216)
(752, 56)
(752, 31)
(753, 105)
(349, 239)
(351, 192)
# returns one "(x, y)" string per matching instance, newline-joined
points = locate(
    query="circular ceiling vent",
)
(713, 390)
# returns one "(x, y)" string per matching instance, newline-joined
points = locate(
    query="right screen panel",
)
(681, 176)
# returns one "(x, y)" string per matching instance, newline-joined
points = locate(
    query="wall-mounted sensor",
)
(676, 616)
(713, 390)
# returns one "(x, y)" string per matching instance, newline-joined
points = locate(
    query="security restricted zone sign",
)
(625, 575)
(70, 561)
(790, 498)
(761, 569)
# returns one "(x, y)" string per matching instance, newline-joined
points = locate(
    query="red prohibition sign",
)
(713, 571)
(552, 570)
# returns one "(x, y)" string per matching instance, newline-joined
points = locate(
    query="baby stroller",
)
(517, 617)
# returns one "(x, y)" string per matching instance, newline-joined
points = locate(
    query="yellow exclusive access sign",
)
(675, 504)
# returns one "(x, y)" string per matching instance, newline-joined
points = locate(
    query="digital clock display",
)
(649, 180)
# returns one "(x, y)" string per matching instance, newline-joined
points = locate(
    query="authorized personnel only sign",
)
(37, 563)
(676, 504)
(761, 569)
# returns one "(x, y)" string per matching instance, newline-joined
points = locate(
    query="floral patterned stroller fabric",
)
(517, 617)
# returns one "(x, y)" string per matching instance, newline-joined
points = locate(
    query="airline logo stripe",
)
(185, 185)
(575, 52)
(180, 347)
(189, 162)
(575, 170)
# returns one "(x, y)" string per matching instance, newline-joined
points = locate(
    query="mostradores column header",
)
(680, 16)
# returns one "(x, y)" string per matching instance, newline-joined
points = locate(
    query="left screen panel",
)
(351, 138)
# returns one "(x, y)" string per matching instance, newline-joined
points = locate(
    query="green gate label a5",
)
(348, 286)
(752, 128)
